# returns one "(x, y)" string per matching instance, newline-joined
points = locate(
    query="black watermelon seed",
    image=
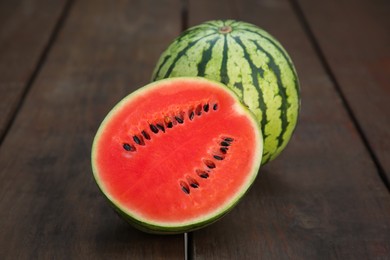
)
(215, 107)
(206, 107)
(129, 147)
(138, 140)
(193, 183)
(223, 143)
(217, 157)
(126, 147)
(228, 139)
(209, 164)
(145, 134)
(202, 174)
(184, 187)
(198, 110)
(168, 122)
(179, 120)
(161, 127)
(223, 150)
(154, 129)
(191, 116)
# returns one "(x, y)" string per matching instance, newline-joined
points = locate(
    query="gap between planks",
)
(188, 246)
(325, 64)
(41, 61)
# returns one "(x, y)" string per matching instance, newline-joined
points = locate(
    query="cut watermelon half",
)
(177, 154)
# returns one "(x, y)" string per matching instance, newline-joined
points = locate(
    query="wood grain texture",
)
(322, 198)
(354, 37)
(50, 205)
(25, 29)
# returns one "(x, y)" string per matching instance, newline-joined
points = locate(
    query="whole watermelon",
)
(249, 61)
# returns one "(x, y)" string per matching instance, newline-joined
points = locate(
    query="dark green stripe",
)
(254, 71)
(238, 85)
(272, 42)
(206, 56)
(166, 58)
(282, 92)
(266, 154)
(234, 23)
(198, 30)
(212, 24)
(224, 73)
(182, 53)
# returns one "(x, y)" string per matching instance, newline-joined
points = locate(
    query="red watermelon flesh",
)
(177, 154)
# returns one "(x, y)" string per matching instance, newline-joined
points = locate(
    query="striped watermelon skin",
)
(249, 61)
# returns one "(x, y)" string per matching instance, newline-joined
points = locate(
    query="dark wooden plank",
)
(354, 37)
(322, 198)
(25, 29)
(50, 206)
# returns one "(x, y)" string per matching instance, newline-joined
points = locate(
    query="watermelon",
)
(250, 62)
(177, 154)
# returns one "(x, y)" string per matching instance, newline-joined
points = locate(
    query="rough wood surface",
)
(50, 206)
(354, 37)
(25, 29)
(322, 199)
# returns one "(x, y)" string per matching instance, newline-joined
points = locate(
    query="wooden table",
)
(64, 64)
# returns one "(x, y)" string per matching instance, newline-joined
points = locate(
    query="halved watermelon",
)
(177, 154)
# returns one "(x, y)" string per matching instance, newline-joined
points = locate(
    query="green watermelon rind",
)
(252, 63)
(156, 228)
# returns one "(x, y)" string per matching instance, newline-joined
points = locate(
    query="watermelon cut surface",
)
(177, 154)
